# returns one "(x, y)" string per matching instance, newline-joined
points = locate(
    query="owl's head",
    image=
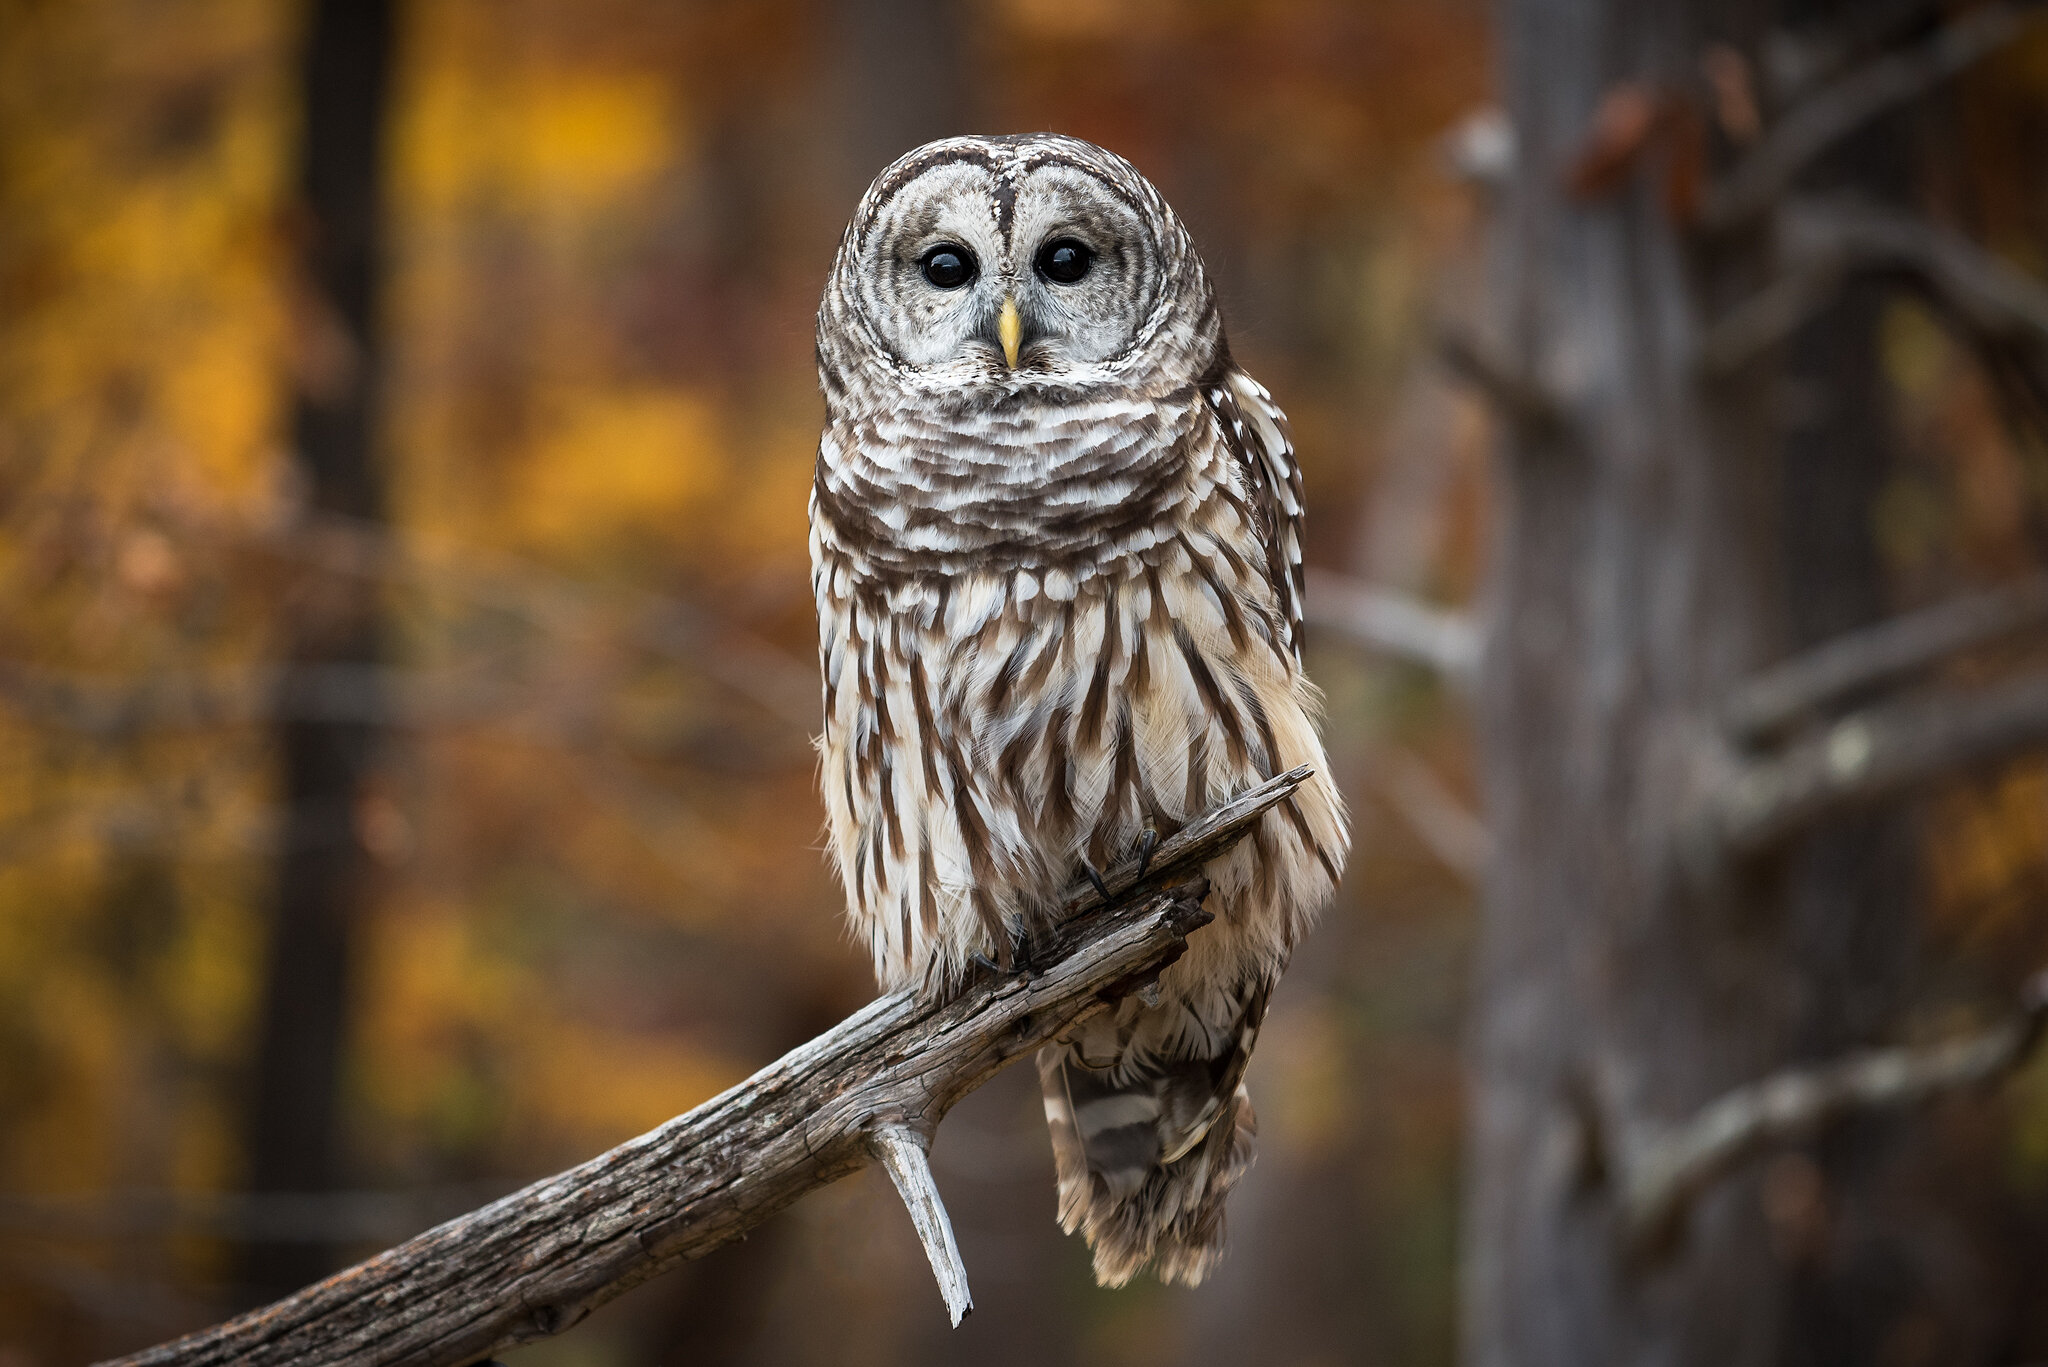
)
(1015, 263)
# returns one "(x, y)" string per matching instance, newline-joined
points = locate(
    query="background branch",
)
(117, 708)
(537, 1261)
(667, 624)
(1450, 829)
(319, 1217)
(1799, 59)
(1519, 397)
(1666, 1176)
(1822, 119)
(1792, 692)
(1873, 754)
(1825, 241)
(1393, 624)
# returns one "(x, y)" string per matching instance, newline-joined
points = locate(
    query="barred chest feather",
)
(1016, 684)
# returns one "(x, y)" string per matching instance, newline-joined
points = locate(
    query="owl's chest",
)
(985, 731)
(1138, 688)
(1041, 651)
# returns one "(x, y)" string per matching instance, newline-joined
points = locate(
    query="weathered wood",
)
(536, 1262)
(904, 1153)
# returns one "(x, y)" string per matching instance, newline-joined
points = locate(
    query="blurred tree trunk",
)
(1854, 1280)
(1667, 537)
(322, 875)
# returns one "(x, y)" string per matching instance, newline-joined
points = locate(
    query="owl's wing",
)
(1257, 433)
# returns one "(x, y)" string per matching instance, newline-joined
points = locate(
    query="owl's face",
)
(1011, 263)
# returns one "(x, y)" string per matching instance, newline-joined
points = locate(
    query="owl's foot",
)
(1147, 843)
(1024, 952)
(1022, 957)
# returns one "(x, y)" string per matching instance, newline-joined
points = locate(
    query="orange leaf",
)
(1727, 71)
(1685, 165)
(1621, 131)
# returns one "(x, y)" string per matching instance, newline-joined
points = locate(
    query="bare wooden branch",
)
(903, 1152)
(1989, 296)
(1831, 113)
(116, 708)
(1868, 756)
(1393, 624)
(1666, 1176)
(539, 1260)
(1519, 397)
(1794, 691)
(1826, 241)
(1767, 318)
(667, 624)
(1446, 825)
(271, 1217)
(1800, 59)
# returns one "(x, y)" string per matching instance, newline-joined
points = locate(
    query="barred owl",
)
(1056, 548)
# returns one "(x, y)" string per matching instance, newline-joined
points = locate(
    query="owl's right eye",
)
(948, 265)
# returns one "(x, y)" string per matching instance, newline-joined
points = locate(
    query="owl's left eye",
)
(948, 266)
(1064, 261)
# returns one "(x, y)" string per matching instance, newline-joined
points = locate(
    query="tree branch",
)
(119, 707)
(539, 1260)
(1797, 60)
(1667, 1175)
(1836, 110)
(1827, 241)
(1868, 756)
(1443, 823)
(667, 624)
(115, 708)
(1393, 624)
(268, 1217)
(1799, 294)
(1792, 692)
(906, 1153)
(1519, 396)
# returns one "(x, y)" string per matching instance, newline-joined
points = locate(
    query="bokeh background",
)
(591, 891)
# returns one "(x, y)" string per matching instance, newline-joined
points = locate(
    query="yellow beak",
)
(1010, 330)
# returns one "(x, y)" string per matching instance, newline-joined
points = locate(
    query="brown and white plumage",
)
(1059, 602)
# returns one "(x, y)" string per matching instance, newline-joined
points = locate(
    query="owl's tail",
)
(1148, 1145)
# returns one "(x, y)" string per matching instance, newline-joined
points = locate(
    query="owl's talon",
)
(1147, 843)
(1094, 877)
(1021, 958)
(1022, 954)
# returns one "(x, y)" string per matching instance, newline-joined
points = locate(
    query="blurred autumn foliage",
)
(598, 894)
